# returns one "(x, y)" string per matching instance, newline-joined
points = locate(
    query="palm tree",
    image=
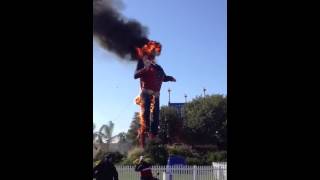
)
(105, 132)
(102, 138)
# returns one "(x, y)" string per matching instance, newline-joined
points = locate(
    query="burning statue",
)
(128, 39)
(151, 77)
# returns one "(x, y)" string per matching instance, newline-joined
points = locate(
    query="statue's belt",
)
(150, 92)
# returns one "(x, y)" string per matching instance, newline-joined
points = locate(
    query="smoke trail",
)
(114, 32)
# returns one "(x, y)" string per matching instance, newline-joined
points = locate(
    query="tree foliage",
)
(133, 129)
(206, 121)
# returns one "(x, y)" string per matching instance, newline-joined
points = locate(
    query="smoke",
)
(114, 32)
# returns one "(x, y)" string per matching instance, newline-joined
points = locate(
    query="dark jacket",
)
(105, 171)
(145, 170)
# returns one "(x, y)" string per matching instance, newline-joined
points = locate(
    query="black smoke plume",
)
(114, 32)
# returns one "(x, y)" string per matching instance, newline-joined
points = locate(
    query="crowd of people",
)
(106, 170)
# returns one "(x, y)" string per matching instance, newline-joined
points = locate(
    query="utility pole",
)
(204, 92)
(169, 90)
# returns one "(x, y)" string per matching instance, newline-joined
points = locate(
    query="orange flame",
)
(149, 49)
(143, 126)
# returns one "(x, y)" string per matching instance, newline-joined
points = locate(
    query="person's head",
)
(141, 158)
(108, 158)
(151, 50)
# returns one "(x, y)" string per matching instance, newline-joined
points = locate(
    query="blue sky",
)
(194, 38)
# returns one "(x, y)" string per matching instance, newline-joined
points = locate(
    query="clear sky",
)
(193, 34)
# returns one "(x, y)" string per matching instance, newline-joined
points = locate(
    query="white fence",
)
(218, 171)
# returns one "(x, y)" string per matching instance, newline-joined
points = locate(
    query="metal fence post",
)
(194, 172)
(164, 176)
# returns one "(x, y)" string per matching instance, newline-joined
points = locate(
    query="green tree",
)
(170, 124)
(105, 132)
(205, 121)
(102, 138)
(133, 129)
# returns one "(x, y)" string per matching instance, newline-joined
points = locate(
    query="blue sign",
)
(176, 105)
(176, 160)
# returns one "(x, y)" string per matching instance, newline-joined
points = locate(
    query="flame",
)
(137, 100)
(152, 104)
(143, 126)
(149, 49)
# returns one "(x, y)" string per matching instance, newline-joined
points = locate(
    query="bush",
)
(126, 161)
(132, 155)
(216, 157)
(194, 161)
(157, 153)
(192, 156)
(99, 156)
(182, 150)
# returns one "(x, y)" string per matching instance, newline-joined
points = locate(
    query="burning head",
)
(149, 50)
